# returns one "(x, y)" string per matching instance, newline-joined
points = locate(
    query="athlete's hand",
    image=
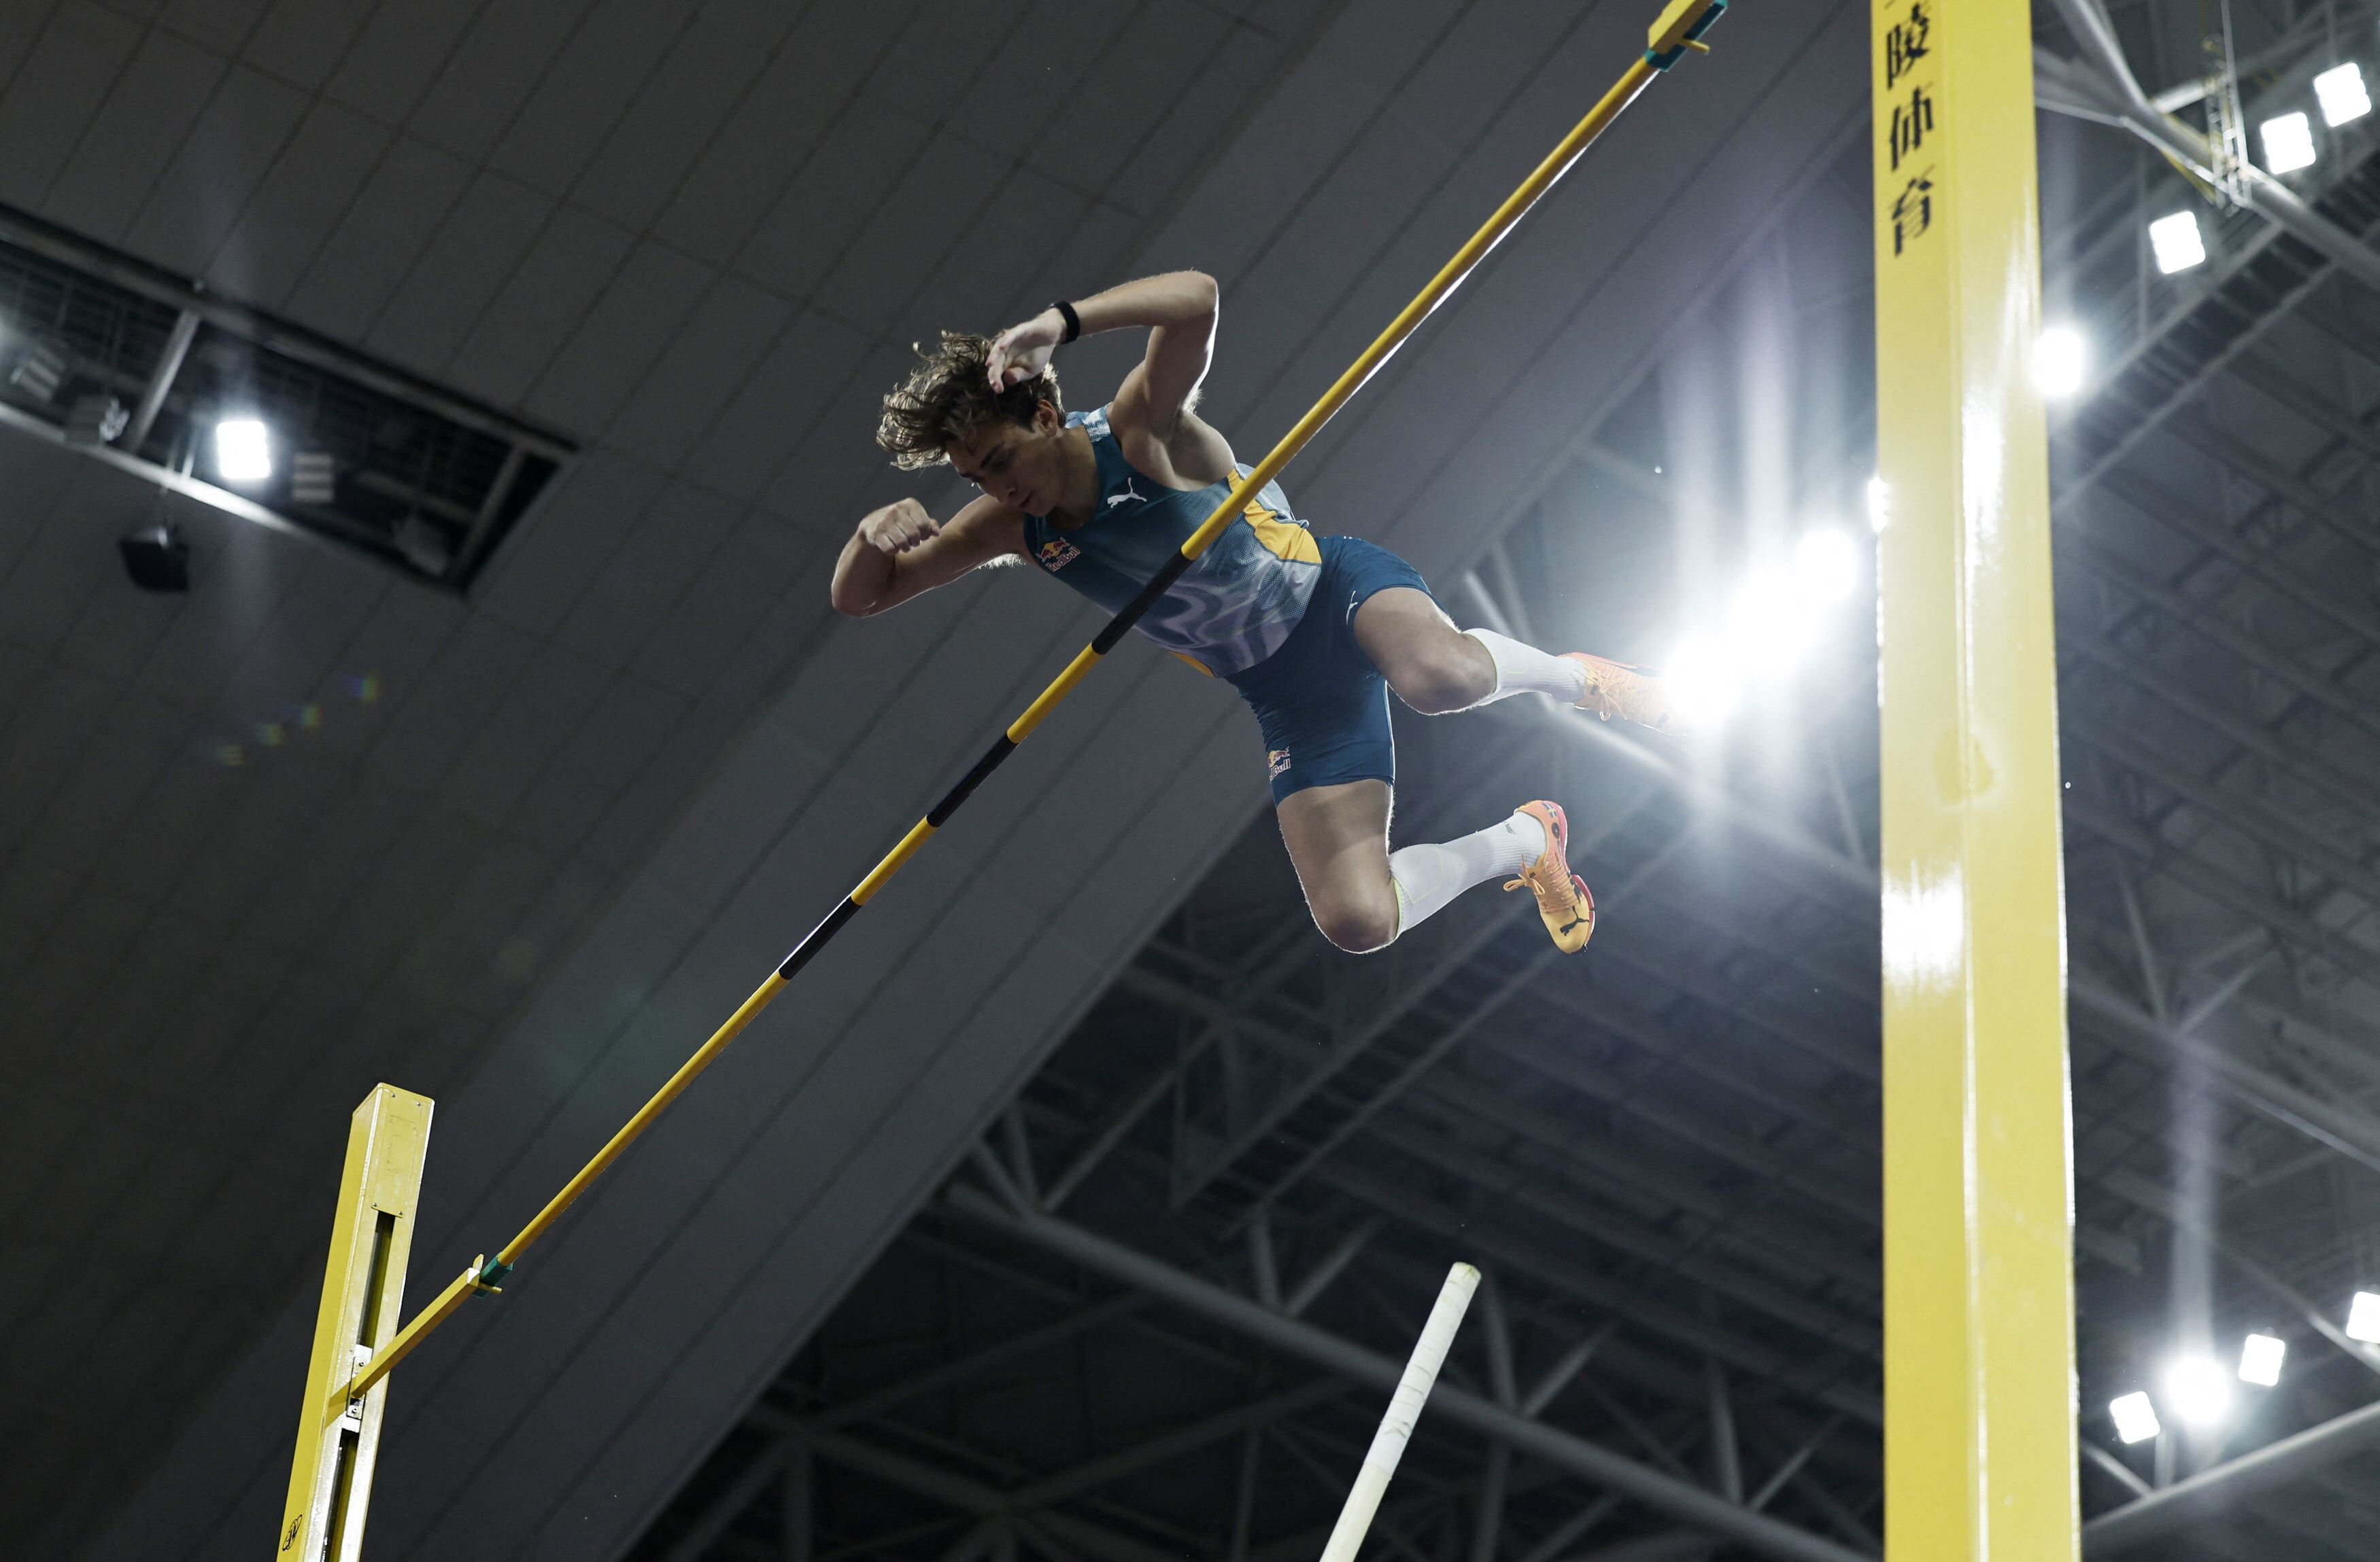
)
(899, 527)
(1022, 352)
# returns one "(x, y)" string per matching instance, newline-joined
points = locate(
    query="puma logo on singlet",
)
(1128, 496)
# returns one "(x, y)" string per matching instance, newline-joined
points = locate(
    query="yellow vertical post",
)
(1979, 1356)
(363, 1288)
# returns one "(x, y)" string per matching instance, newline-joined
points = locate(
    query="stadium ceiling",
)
(1145, 1317)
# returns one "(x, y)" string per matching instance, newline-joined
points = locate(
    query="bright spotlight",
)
(1825, 565)
(1771, 622)
(1705, 682)
(2061, 360)
(1879, 501)
(2289, 143)
(2177, 242)
(2363, 1318)
(2135, 1417)
(2260, 1360)
(2197, 1392)
(243, 451)
(2341, 92)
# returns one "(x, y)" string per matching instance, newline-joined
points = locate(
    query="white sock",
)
(1428, 877)
(1524, 670)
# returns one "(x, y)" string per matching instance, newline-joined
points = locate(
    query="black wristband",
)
(1073, 322)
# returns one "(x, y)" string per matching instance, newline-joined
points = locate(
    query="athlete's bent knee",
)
(1434, 685)
(1358, 930)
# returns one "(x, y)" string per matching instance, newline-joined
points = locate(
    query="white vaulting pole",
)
(1404, 1408)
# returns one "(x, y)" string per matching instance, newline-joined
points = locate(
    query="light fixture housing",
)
(157, 558)
(243, 451)
(2343, 94)
(2288, 142)
(2135, 1417)
(2260, 1360)
(2176, 242)
(2363, 1318)
(2062, 362)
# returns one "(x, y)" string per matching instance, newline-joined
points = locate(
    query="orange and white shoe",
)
(1562, 896)
(1614, 688)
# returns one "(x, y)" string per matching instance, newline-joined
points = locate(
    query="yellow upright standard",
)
(363, 1288)
(1978, 1270)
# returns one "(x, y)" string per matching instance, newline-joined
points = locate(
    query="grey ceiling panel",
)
(521, 872)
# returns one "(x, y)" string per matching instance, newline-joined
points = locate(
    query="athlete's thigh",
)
(1337, 839)
(1402, 630)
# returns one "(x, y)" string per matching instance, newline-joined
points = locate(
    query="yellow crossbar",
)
(1679, 29)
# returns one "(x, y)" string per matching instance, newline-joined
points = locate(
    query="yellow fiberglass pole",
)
(1978, 1271)
(1678, 30)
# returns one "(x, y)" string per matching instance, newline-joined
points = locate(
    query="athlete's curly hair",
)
(948, 397)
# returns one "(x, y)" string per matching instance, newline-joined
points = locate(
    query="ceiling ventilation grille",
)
(144, 370)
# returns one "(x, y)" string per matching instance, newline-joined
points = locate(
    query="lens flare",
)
(2198, 1391)
(1704, 682)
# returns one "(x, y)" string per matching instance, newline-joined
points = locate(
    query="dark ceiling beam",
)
(2355, 1054)
(2169, 508)
(1748, 1156)
(2344, 788)
(2318, 687)
(2259, 370)
(1696, 1254)
(2344, 1129)
(2229, 809)
(2149, 1196)
(2288, 922)
(980, 1498)
(1782, 1238)
(1646, 1314)
(1681, 1500)
(1855, 1199)
(2213, 1494)
(2334, 513)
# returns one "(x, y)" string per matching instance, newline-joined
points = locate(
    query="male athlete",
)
(1313, 632)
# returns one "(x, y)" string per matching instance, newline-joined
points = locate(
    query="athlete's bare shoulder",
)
(1195, 454)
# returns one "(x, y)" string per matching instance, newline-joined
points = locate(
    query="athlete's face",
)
(1019, 466)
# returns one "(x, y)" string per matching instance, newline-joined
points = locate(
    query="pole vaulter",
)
(355, 1350)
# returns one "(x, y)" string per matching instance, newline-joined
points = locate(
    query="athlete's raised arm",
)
(1178, 310)
(900, 551)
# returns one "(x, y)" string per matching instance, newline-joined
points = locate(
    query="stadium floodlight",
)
(1879, 501)
(1705, 682)
(2061, 361)
(243, 451)
(2176, 241)
(1825, 565)
(2343, 94)
(2197, 1392)
(1771, 622)
(2288, 142)
(2135, 1417)
(2363, 1318)
(2260, 1360)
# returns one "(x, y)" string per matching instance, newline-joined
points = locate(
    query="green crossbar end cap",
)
(1662, 59)
(490, 1279)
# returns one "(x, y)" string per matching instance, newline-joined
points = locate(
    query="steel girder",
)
(1691, 1504)
(2211, 1493)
